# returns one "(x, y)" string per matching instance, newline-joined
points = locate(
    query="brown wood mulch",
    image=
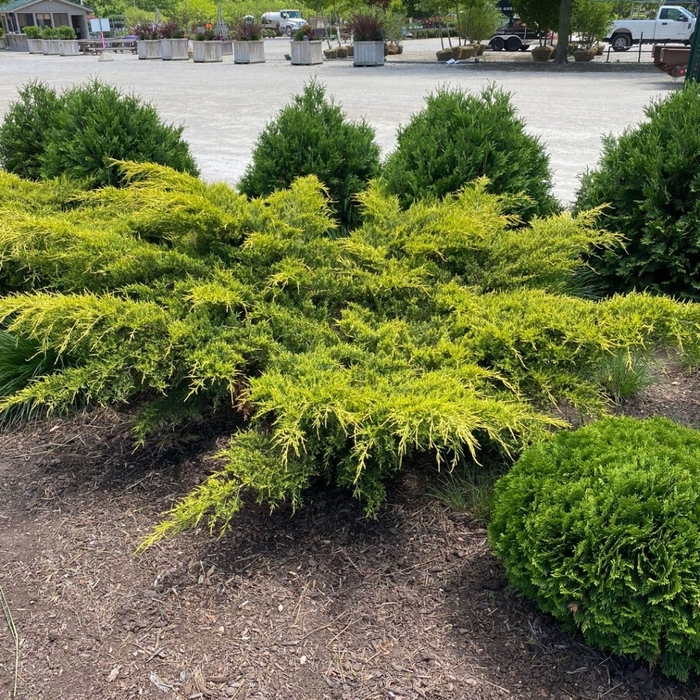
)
(320, 605)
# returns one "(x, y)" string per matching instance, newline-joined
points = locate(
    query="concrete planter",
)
(206, 52)
(369, 53)
(35, 45)
(2, 43)
(149, 48)
(307, 53)
(16, 42)
(68, 47)
(249, 51)
(51, 47)
(174, 49)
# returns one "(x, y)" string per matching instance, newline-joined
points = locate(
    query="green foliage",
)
(21, 361)
(650, 178)
(601, 528)
(543, 14)
(24, 133)
(439, 333)
(96, 124)
(479, 19)
(32, 32)
(311, 136)
(459, 137)
(591, 19)
(624, 374)
(79, 133)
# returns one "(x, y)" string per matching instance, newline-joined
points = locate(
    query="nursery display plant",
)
(306, 50)
(368, 38)
(601, 526)
(437, 331)
(248, 43)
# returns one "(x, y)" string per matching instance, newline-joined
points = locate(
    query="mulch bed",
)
(319, 604)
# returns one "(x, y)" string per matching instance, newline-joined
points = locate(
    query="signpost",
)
(101, 26)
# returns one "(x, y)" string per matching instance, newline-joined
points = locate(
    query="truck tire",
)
(288, 31)
(497, 43)
(513, 43)
(621, 42)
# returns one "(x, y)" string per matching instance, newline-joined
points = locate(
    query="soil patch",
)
(318, 605)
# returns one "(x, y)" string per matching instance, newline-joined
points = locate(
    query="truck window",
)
(673, 14)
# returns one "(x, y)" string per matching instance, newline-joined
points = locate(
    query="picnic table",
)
(116, 44)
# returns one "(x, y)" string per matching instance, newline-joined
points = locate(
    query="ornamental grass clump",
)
(649, 178)
(459, 137)
(601, 528)
(311, 136)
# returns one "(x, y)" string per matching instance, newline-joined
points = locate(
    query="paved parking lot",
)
(224, 106)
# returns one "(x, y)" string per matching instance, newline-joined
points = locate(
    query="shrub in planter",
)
(459, 137)
(366, 27)
(25, 129)
(32, 32)
(312, 137)
(601, 527)
(650, 178)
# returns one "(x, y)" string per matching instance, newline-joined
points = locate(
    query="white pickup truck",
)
(283, 22)
(672, 23)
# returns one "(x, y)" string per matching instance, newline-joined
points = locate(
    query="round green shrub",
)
(650, 177)
(601, 527)
(24, 131)
(458, 138)
(97, 123)
(311, 136)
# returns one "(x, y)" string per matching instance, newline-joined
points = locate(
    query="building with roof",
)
(18, 14)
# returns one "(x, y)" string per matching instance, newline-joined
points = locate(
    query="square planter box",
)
(149, 48)
(307, 53)
(17, 42)
(2, 43)
(206, 52)
(368, 53)
(174, 49)
(227, 47)
(35, 45)
(52, 47)
(68, 47)
(249, 51)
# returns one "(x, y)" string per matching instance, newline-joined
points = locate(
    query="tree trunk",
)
(563, 40)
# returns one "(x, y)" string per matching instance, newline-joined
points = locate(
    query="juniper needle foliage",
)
(312, 136)
(79, 134)
(441, 330)
(649, 177)
(459, 137)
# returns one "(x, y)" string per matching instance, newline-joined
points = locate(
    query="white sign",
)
(99, 25)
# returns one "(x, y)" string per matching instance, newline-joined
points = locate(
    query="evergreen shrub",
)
(311, 136)
(601, 528)
(433, 333)
(24, 133)
(77, 134)
(459, 137)
(650, 177)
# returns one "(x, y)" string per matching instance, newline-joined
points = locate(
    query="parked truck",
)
(283, 22)
(671, 24)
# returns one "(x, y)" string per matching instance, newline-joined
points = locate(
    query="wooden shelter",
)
(18, 14)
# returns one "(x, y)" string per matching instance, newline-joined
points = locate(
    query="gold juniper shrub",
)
(601, 528)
